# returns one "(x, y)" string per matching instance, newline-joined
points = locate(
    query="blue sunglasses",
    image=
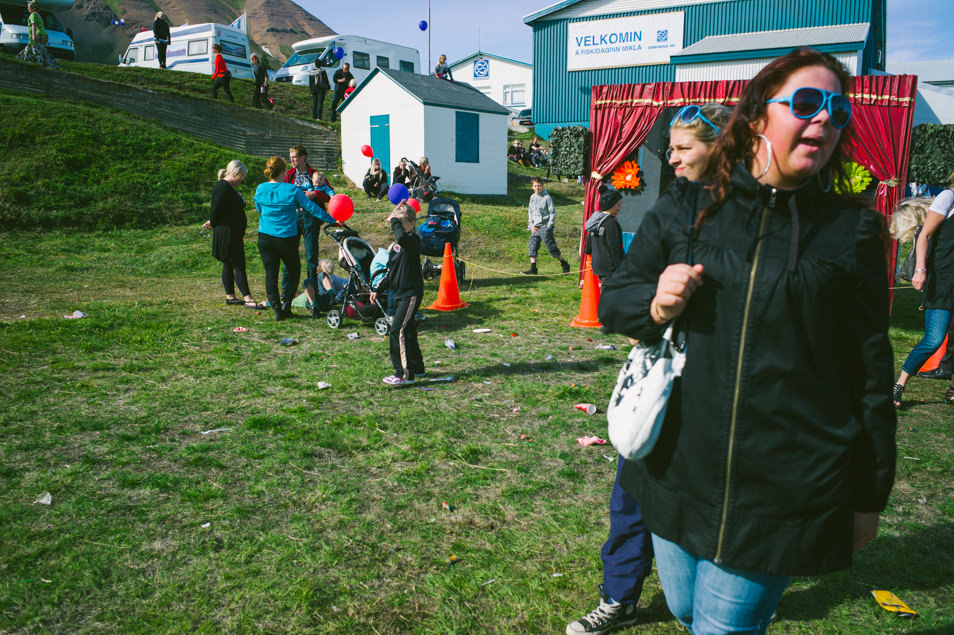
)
(688, 114)
(808, 101)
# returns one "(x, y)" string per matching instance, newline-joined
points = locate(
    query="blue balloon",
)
(122, 21)
(339, 52)
(397, 193)
(115, 21)
(422, 25)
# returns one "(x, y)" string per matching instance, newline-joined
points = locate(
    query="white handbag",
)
(638, 406)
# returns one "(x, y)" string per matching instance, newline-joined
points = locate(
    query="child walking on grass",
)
(406, 283)
(542, 218)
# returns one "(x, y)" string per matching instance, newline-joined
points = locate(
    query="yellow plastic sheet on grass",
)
(891, 602)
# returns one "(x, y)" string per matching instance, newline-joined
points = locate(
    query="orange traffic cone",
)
(448, 295)
(590, 300)
(935, 360)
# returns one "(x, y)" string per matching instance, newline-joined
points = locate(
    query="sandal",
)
(896, 395)
(949, 395)
(252, 304)
(233, 301)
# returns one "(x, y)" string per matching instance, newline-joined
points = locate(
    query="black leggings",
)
(406, 357)
(280, 251)
(234, 275)
(224, 83)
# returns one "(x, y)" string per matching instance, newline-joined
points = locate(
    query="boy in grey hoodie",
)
(542, 218)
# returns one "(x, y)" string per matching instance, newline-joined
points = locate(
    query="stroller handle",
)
(330, 230)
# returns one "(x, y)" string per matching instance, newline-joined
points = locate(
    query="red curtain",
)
(882, 112)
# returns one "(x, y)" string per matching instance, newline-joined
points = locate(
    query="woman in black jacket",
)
(375, 181)
(228, 222)
(777, 452)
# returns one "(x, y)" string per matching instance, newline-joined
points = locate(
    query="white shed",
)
(461, 131)
(506, 81)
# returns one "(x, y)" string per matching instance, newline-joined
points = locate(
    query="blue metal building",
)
(708, 40)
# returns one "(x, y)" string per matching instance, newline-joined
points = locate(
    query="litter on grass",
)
(447, 506)
(892, 603)
(585, 441)
(449, 343)
(427, 387)
(353, 336)
(605, 347)
(239, 329)
(481, 330)
(588, 408)
(506, 364)
(323, 384)
(289, 341)
(549, 357)
(77, 315)
(44, 499)
(216, 430)
(206, 525)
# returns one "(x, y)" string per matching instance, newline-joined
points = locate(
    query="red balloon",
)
(367, 151)
(413, 203)
(341, 207)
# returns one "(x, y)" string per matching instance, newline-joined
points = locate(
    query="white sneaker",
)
(607, 617)
(396, 380)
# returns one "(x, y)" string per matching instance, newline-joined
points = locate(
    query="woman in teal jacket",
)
(277, 203)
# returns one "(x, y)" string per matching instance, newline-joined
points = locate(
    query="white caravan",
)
(362, 53)
(190, 49)
(14, 35)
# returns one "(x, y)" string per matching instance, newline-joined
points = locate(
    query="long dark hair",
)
(739, 136)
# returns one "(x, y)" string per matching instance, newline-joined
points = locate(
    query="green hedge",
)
(932, 154)
(569, 150)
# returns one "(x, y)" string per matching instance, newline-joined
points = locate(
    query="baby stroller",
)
(420, 187)
(441, 226)
(355, 256)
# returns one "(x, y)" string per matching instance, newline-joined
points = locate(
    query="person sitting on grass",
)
(322, 294)
(406, 284)
(375, 182)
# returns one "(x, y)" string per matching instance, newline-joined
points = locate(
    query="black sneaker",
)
(565, 265)
(532, 271)
(937, 373)
(607, 617)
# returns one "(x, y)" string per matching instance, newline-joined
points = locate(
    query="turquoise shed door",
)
(381, 141)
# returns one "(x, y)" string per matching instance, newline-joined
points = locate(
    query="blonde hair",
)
(911, 212)
(716, 113)
(407, 215)
(158, 15)
(274, 168)
(235, 168)
(326, 266)
(319, 174)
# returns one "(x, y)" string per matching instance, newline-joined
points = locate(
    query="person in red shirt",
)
(221, 75)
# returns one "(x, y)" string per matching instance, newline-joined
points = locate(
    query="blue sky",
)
(917, 29)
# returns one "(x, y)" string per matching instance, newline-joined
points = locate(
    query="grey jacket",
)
(541, 211)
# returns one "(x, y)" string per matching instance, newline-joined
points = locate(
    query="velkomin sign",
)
(632, 41)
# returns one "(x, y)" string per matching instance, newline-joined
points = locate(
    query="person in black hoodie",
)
(777, 452)
(406, 283)
(319, 85)
(604, 235)
(160, 31)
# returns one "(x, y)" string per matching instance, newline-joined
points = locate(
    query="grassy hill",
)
(200, 481)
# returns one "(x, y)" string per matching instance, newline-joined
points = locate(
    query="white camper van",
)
(190, 49)
(14, 35)
(362, 53)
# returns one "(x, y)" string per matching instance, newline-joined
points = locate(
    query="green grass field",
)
(320, 511)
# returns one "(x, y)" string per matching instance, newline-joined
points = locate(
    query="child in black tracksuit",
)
(406, 283)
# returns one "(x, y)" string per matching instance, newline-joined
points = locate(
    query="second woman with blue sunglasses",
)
(777, 453)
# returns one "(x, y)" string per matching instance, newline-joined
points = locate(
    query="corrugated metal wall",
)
(745, 69)
(560, 96)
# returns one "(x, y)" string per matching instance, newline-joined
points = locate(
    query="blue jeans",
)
(935, 328)
(709, 599)
(628, 552)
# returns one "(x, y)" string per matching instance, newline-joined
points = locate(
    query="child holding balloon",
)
(406, 284)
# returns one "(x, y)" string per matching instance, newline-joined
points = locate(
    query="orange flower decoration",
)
(627, 176)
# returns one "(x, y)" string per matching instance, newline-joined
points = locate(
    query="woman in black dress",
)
(228, 222)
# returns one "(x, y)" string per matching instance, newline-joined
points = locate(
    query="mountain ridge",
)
(273, 25)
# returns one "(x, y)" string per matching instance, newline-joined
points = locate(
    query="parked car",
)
(521, 119)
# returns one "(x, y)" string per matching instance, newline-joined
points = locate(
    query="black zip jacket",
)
(404, 278)
(605, 243)
(782, 424)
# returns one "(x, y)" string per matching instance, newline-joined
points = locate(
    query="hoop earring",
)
(768, 160)
(831, 179)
